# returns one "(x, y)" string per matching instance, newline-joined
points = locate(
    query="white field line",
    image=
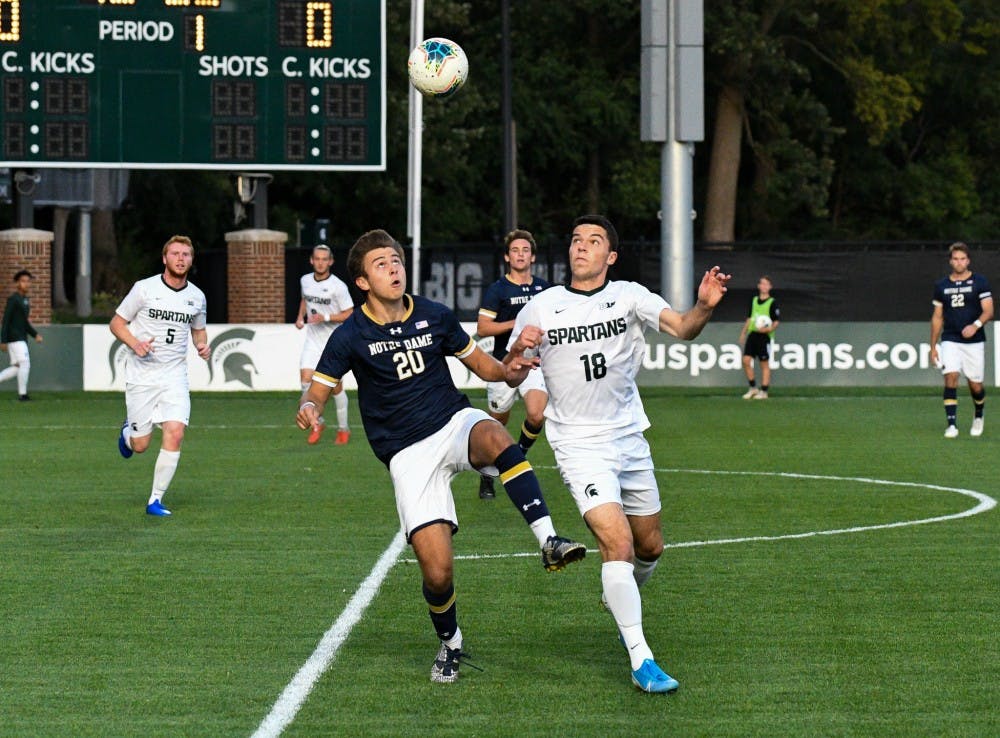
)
(986, 503)
(295, 694)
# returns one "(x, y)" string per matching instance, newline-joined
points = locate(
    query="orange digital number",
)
(10, 20)
(319, 25)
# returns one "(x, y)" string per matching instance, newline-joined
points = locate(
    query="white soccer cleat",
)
(750, 393)
(977, 427)
(951, 431)
(761, 395)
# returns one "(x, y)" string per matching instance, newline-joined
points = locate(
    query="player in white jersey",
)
(155, 320)
(591, 349)
(325, 304)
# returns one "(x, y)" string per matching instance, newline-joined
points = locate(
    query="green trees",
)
(847, 119)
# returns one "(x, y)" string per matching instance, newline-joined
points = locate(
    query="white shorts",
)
(422, 473)
(620, 471)
(501, 395)
(152, 404)
(18, 353)
(967, 358)
(312, 348)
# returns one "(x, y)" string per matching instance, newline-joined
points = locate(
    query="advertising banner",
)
(266, 357)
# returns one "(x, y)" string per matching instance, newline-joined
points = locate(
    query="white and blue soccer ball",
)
(763, 322)
(438, 67)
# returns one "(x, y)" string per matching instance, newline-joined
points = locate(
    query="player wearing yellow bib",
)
(757, 331)
(591, 348)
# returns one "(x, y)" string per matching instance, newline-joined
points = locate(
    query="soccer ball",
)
(438, 67)
(763, 322)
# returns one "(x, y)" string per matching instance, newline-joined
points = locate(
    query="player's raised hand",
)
(713, 286)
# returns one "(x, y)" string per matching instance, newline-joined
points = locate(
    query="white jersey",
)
(592, 348)
(156, 310)
(326, 297)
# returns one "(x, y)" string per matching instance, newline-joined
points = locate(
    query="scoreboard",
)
(193, 84)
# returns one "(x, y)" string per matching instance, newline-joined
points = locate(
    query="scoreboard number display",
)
(193, 84)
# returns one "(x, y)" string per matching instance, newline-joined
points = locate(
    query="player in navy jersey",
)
(501, 304)
(422, 428)
(963, 304)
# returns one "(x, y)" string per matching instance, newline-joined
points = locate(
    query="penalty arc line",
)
(985, 504)
(295, 694)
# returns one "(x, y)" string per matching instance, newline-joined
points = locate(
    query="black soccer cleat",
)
(486, 491)
(559, 551)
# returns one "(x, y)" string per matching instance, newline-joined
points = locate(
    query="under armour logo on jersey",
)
(607, 305)
(396, 331)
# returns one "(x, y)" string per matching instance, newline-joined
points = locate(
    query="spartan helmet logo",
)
(117, 356)
(237, 365)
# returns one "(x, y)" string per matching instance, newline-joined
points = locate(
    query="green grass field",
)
(118, 624)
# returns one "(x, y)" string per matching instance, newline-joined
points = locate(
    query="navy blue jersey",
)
(960, 302)
(405, 389)
(503, 301)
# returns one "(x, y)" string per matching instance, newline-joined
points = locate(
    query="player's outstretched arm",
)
(710, 293)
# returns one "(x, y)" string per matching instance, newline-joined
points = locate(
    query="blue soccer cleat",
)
(651, 678)
(123, 448)
(156, 508)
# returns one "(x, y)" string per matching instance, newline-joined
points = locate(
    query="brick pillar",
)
(255, 266)
(27, 248)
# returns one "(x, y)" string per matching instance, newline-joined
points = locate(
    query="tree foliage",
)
(859, 119)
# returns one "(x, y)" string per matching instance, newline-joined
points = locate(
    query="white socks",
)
(456, 640)
(621, 593)
(543, 529)
(340, 400)
(163, 473)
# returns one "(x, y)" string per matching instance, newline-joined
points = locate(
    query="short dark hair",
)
(514, 235)
(603, 222)
(376, 239)
(23, 273)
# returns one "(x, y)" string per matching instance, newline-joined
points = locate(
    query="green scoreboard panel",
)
(193, 84)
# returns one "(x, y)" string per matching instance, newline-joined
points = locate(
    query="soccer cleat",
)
(123, 448)
(559, 551)
(977, 427)
(761, 395)
(486, 491)
(444, 670)
(750, 393)
(23, 398)
(343, 436)
(156, 508)
(951, 431)
(315, 434)
(651, 678)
